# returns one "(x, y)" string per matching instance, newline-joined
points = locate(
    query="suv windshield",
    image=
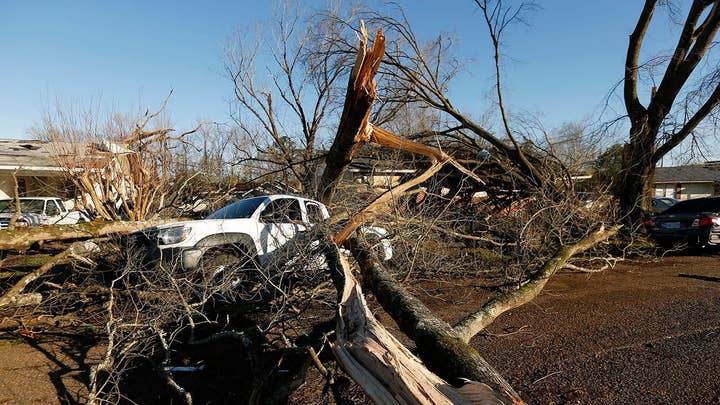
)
(695, 205)
(26, 206)
(240, 209)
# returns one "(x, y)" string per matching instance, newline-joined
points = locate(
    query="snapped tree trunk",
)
(442, 349)
(386, 370)
(353, 127)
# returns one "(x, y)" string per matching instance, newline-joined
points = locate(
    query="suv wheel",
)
(218, 263)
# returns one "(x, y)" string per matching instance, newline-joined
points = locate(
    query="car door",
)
(282, 221)
(65, 217)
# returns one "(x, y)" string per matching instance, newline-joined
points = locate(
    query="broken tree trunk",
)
(439, 346)
(25, 238)
(386, 370)
(353, 128)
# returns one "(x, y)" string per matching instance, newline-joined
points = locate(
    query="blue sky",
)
(127, 55)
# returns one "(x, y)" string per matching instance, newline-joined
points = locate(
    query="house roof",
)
(34, 157)
(687, 174)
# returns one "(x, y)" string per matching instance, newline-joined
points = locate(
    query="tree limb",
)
(478, 320)
(16, 199)
(24, 238)
(679, 71)
(632, 104)
(76, 249)
(380, 204)
(689, 126)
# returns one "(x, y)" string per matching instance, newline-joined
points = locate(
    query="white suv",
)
(248, 229)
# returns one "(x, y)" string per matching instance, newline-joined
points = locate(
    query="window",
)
(314, 213)
(61, 205)
(32, 206)
(283, 210)
(22, 187)
(51, 209)
(240, 209)
(696, 205)
(26, 206)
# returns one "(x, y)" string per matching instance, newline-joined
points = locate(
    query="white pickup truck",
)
(249, 229)
(39, 211)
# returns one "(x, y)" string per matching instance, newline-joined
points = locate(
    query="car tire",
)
(224, 259)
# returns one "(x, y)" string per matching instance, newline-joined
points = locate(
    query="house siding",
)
(684, 191)
(697, 190)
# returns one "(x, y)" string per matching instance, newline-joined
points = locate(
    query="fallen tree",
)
(26, 238)
(442, 348)
(388, 372)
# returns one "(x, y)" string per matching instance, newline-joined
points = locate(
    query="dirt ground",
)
(640, 333)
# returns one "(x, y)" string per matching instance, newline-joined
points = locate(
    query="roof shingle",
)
(687, 174)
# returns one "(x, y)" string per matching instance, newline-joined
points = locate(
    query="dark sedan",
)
(695, 222)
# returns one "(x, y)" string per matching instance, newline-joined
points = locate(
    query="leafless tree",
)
(155, 315)
(283, 104)
(120, 165)
(685, 98)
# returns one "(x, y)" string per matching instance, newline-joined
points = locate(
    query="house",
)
(41, 167)
(689, 181)
(380, 172)
(377, 167)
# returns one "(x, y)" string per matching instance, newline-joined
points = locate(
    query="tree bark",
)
(16, 199)
(638, 170)
(644, 148)
(25, 238)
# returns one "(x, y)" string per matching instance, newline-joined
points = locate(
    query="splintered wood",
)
(383, 366)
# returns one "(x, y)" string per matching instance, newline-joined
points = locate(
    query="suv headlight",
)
(173, 235)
